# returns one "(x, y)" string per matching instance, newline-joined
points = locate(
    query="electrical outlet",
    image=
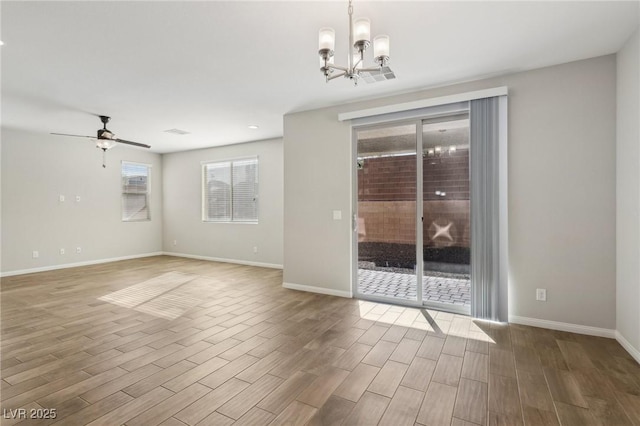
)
(61, 198)
(35, 254)
(61, 251)
(78, 250)
(255, 249)
(77, 198)
(175, 242)
(541, 294)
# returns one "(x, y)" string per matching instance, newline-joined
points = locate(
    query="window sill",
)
(230, 222)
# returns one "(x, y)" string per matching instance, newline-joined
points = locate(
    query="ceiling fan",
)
(106, 139)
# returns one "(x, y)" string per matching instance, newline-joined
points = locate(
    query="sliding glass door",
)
(446, 211)
(387, 212)
(412, 220)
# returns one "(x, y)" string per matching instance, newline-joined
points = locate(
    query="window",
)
(230, 191)
(135, 192)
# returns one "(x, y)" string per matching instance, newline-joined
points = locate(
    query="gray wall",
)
(37, 169)
(561, 191)
(628, 192)
(182, 207)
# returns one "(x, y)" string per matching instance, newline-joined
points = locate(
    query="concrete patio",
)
(437, 287)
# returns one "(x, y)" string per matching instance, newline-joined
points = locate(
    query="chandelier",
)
(359, 41)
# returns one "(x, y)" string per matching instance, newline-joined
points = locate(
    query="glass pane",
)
(446, 237)
(245, 190)
(387, 212)
(134, 178)
(135, 189)
(134, 207)
(217, 180)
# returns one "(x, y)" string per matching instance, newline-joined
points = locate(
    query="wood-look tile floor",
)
(228, 345)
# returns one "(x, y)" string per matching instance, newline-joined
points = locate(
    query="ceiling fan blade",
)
(75, 136)
(131, 143)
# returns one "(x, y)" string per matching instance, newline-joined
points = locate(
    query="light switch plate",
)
(337, 215)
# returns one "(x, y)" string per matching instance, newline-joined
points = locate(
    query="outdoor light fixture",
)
(360, 40)
(439, 151)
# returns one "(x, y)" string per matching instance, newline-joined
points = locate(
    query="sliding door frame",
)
(354, 190)
(417, 118)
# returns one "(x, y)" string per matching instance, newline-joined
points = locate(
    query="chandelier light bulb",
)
(381, 46)
(327, 39)
(362, 30)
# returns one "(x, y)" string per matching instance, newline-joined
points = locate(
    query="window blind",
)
(217, 188)
(135, 192)
(231, 191)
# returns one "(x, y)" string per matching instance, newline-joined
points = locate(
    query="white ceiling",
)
(213, 68)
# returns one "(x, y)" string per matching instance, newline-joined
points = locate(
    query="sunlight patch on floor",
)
(436, 322)
(169, 295)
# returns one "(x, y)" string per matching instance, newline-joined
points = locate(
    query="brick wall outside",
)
(386, 199)
(387, 221)
(394, 222)
(388, 179)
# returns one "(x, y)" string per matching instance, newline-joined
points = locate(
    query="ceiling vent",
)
(177, 132)
(384, 73)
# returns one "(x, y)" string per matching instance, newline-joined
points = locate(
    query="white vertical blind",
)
(135, 192)
(488, 244)
(231, 191)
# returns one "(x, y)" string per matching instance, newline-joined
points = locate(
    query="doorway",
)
(413, 212)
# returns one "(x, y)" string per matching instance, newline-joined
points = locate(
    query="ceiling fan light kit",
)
(360, 40)
(104, 144)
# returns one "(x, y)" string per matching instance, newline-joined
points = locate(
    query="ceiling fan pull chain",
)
(104, 158)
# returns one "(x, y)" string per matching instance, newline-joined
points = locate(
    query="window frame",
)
(148, 193)
(203, 182)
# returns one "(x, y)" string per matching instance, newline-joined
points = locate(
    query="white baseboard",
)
(564, 326)
(321, 290)
(75, 265)
(634, 352)
(135, 256)
(224, 260)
